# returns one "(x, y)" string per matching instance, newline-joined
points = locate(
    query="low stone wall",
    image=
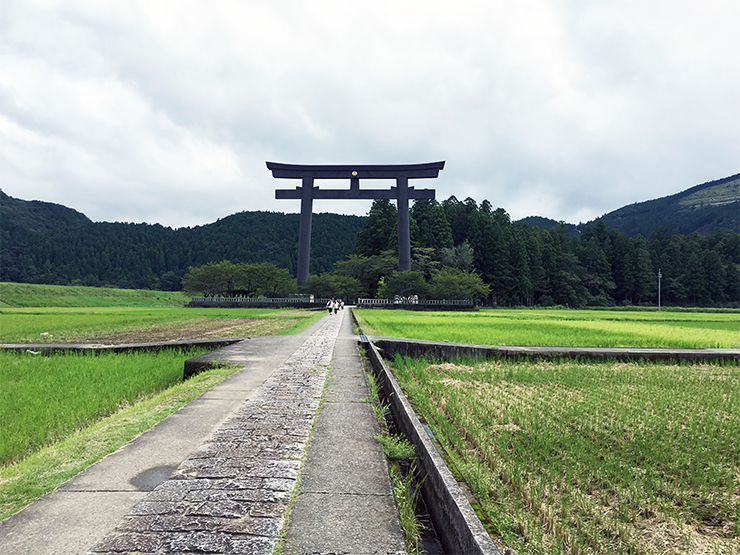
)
(254, 304)
(92, 348)
(458, 527)
(437, 350)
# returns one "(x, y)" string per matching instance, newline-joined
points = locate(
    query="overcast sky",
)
(166, 111)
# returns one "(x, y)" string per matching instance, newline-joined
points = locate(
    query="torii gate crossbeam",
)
(402, 192)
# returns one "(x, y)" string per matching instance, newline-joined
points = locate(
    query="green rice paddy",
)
(33, 294)
(43, 399)
(564, 328)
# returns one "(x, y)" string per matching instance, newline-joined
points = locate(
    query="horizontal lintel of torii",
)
(354, 194)
(360, 171)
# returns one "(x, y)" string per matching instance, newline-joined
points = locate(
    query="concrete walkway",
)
(216, 476)
(345, 503)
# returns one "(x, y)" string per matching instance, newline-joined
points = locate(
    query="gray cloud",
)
(166, 111)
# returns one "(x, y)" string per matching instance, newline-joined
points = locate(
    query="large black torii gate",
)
(402, 192)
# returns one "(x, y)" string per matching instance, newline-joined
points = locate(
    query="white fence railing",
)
(383, 302)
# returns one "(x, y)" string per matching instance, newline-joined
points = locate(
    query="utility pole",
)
(659, 276)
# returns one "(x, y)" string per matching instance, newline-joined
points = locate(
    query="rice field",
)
(591, 458)
(43, 399)
(67, 324)
(563, 328)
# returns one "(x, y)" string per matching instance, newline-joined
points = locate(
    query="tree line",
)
(58, 249)
(460, 249)
(522, 265)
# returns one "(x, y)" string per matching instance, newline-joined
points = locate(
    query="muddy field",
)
(200, 329)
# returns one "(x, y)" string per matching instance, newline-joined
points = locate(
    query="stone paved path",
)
(345, 502)
(230, 496)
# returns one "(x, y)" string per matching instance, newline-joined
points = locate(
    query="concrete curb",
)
(94, 348)
(458, 527)
(439, 350)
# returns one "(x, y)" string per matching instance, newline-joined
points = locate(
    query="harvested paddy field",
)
(591, 458)
(116, 325)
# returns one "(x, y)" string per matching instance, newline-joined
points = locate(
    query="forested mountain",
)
(549, 223)
(702, 209)
(520, 264)
(49, 243)
(699, 209)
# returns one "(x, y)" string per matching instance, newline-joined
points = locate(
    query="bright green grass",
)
(592, 458)
(45, 398)
(43, 325)
(47, 468)
(566, 328)
(31, 294)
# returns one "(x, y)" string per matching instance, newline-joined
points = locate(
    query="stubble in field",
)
(592, 458)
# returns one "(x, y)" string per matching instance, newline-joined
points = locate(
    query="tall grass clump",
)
(406, 488)
(43, 399)
(592, 458)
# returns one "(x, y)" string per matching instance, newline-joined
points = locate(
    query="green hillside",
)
(703, 208)
(38, 295)
(41, 242)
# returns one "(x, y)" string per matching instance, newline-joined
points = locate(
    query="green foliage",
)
(404, 284)
(333, 286)
(451, 283)
(377, 233)
(460, 257)
(46, 243)
(432, 228)
(702, 209)
(396, 447)
(521, 264)
(575, 328)
(406, 491)
(368, 270)
(232, 280)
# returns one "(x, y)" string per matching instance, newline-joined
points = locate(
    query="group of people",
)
(334, 304)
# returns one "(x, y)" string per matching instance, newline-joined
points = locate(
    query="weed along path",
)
(215, 477)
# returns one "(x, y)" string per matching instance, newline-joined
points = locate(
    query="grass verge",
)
(44, 470)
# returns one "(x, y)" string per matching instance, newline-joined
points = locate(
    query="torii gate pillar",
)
(402, 192)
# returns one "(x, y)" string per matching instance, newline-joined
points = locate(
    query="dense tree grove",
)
(523, 265)
(239, 280)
